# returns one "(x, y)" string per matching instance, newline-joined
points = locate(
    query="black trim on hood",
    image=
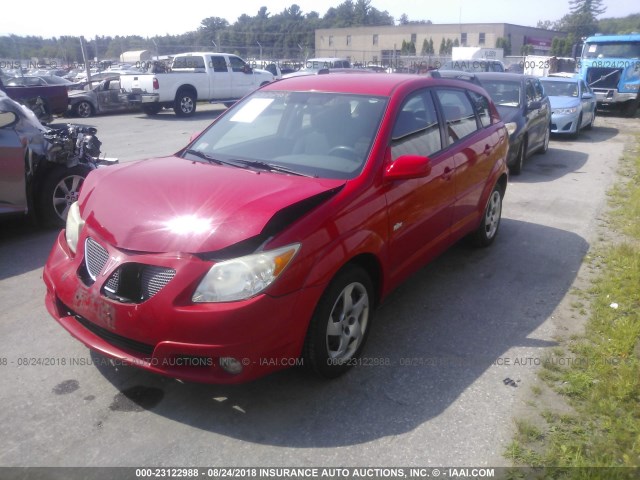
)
(277, 223)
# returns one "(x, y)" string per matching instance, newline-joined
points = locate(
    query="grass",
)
(602, 384)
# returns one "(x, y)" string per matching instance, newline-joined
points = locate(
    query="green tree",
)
(443, 48)
(505, 44)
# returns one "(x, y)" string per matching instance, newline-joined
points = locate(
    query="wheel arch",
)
(368, 248)
(186, 88)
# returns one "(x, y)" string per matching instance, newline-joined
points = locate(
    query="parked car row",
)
(363, 178)
(534, 108)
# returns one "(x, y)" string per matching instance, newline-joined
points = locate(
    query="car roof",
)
(364, 83)
(560, 79)
(512, 77)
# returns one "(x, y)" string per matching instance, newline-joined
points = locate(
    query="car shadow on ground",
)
(167, 115)
(595, 135)
(24, 246)
(432, 339)
(556, 163)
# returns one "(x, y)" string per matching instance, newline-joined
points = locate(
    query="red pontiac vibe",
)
(275, 233)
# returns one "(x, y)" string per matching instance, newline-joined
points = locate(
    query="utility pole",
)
(84, 58)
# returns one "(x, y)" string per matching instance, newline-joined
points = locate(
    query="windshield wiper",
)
(272, 167)
(211, 159)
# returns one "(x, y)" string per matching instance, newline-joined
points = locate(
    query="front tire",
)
(516, 168)
(630, 108)
(576, 134)
(490, 224)
(341, 323)
(185, 104)
(84, 109)
(60, 189)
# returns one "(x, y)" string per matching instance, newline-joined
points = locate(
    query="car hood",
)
(171, 204)
(563, 102)
(78, 93)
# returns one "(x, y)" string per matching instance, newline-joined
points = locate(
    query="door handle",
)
(448, 172)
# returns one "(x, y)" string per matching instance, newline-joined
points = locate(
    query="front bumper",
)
(564, 123)
(609, 96)
(167, 333)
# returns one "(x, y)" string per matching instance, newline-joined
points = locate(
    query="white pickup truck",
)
(196, 76)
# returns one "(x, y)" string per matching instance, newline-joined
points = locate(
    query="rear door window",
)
(459, 114)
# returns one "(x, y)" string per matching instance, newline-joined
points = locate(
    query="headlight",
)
(565, 111)
(74, 226)
(511, 127)
(244, 277)
(634, 87)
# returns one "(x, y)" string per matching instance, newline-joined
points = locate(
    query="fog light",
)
(230, 365)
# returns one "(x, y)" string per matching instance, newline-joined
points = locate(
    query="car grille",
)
(130, 282)
(95, 257)
(154, 278)
(603, 77)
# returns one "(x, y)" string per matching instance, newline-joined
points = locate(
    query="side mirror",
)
(247, 69)
(7, 119)
(407, 167)
(587, 96)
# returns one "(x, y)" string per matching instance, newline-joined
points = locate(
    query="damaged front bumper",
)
(151, 322)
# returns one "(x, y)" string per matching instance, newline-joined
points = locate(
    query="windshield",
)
(612, 50)
(560, 89)
(325, 135)
(504, 93)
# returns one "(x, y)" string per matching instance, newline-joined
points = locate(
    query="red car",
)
(272, 237)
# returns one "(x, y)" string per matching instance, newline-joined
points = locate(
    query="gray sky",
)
(47, 18)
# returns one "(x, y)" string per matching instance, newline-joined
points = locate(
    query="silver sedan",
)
(573, 104)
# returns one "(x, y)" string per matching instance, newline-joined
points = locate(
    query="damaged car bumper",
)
(168, 334)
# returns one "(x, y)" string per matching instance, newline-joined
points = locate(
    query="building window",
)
(375, 39)
(463, 39)
(481, 39)
(414, 38)
(330, 40)
(348, 39)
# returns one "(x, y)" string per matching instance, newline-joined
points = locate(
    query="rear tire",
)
(340, 324)
(545, 144)
(490, 224)
(185, 104)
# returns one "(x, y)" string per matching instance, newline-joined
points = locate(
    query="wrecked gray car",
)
(106, 96)
(42, 168)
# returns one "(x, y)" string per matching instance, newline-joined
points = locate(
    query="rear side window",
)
(218, 64)
(188, 62)
(416, 131)
(459, 114)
